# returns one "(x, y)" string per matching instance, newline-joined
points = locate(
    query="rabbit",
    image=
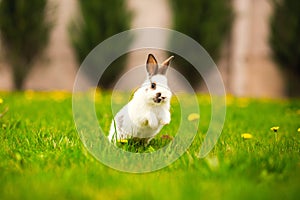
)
(149, 110)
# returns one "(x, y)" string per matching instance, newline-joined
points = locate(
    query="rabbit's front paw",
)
(165, 120)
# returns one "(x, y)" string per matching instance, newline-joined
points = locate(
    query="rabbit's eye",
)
(153, 85)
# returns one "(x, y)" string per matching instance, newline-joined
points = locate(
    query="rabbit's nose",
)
(158, 94)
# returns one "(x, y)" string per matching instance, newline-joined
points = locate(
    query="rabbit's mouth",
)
(159, 99)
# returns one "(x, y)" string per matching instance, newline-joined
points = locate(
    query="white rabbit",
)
(149, 110)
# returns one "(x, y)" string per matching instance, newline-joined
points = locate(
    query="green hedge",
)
(285, 40)
(207, 22)
(24, 31)
(100, 20)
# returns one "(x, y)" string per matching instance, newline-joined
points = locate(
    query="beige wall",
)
(252, 70)
(57, 68)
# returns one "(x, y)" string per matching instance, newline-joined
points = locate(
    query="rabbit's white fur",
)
(148, 111)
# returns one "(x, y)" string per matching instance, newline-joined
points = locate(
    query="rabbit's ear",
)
(151, 65)
(164, 66)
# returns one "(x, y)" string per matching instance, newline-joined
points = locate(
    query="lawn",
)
(42, 156)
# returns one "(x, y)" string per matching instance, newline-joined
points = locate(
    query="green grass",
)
(42, 156)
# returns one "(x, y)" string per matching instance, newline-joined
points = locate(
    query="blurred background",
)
(255, 43)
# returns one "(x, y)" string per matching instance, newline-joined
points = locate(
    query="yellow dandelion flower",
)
(123, 141)
(247, 136)
(229, 99)
(1, 101)
(243, 102)
(274, 128)
(298, 130)
(59, 95)
(29, 94)
(193, 116)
